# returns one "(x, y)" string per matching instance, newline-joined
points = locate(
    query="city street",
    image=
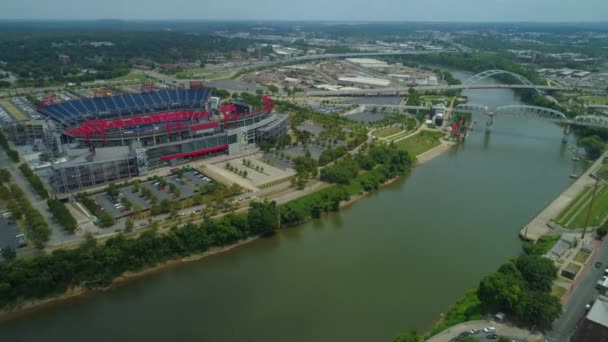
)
(583, 293)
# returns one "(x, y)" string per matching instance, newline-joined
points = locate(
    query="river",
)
(393, 261)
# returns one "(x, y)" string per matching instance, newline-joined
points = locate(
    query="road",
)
(501, 330)
(584, 292)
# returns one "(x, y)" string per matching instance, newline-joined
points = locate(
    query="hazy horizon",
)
(311, 10)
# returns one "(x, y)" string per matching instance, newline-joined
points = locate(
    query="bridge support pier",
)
(489, 122)
(567, 132)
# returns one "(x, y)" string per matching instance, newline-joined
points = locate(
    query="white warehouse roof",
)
(381, 82)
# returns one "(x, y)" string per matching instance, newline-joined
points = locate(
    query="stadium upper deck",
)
(74, 112)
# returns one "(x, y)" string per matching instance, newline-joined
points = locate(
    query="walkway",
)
(501, 330)
(539, 225)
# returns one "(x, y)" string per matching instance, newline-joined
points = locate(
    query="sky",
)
(345, 10)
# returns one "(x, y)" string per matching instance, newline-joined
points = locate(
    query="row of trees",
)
(62, 214)
(14, 155)
(34, 225)
(34, 181)
(332, 154)
(93, 266)
(383, 162)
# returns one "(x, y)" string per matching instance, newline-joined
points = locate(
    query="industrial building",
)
(354, 81)
(116, 137)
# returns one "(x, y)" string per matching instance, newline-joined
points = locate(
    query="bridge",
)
(472, 83)
(403, 91)
(474, 80)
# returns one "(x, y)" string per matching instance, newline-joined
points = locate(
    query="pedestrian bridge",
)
(543, 113)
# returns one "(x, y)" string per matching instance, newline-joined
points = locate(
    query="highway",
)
(583, 293)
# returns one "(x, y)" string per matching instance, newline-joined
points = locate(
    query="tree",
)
(593, 145)
(263, 217)
(273, 89)
(106, 220)
(501, 290)
(244, 174)
(602, 231)
(165, 205)
(112, 190)
(538, 272)
(129, 225)
(408, 336)
(538, 309)
(8, 253)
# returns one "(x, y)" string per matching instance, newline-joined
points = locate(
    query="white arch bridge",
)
(473, 80)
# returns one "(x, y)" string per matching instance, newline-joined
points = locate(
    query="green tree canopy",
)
(538, 272)
(263, 217)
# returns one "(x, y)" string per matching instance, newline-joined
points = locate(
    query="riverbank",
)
(542, 223)
(81, 292)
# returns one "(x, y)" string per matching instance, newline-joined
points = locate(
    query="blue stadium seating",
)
(75, 111)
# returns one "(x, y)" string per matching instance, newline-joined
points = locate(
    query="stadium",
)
(108, 138)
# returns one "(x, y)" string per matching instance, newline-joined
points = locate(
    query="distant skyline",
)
(344, 10)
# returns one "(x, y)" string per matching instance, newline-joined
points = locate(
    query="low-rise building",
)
(363, 81)
(594, 326)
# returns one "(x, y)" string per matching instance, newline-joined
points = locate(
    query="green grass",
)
(558, 291)
(581, 257)
(572, 207)
(16, 113)
(435, 99)
(466, 309)
(132, 76)
(385, 132)
(599, 100)
(574, 267)
(421, 142)
(400, 135)
(598, 213)
(542, 245)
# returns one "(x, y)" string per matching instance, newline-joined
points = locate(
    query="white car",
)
(489, 330)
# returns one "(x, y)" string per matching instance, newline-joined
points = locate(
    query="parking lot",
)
(187, 187)
(9, 233)
(5, 117)
(26, 107)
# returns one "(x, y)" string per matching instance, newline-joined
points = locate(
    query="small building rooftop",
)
(599, 311)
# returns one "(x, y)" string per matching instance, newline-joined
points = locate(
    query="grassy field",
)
(16, 113)
(385, 132)
(558, 291)
(132, 76)
(573, 207)
(435, 99)
(575, 214)
(421, 142)
(581, 257)
(599, 100)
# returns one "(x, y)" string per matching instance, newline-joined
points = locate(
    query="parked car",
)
(492, 337)
(489, 330)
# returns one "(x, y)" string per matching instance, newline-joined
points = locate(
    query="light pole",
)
(597, 181)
